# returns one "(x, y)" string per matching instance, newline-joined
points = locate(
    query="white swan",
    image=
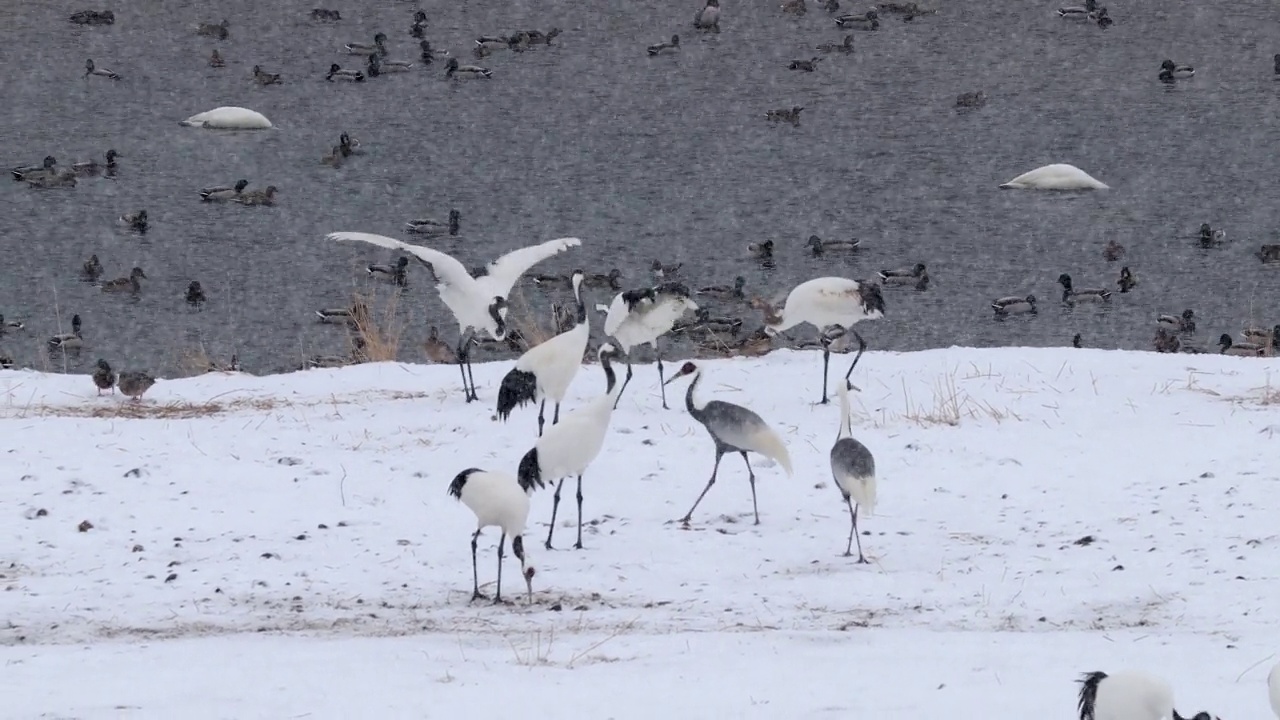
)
(1058, 176)
(229, 118)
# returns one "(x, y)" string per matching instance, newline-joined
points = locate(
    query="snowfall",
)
(284, 546)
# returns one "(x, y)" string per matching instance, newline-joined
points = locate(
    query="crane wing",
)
(447, 270)
(506, 270)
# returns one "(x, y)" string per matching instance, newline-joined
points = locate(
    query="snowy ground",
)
(284, 547)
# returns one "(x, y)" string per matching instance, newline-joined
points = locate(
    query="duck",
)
(126, 284)
(494, 42)
(703, 320)
(419, 27)
(68, 341)
(1259, 336)
(1170, 71)
(708, 18)
(457, 72)
(258, 197)
(549, 280)
(794, 7)
(215, 59)
(1210, 237)
(845, 47)
(903, 276)
(93, 17)
(48, 167)
(664, 47)
(135, 384)
(350, 146)
(818, 246)
(725, 292)
(1239, 349)
(7, 325)
(377, 48)
(91, 69)
(804, 65)
(1276, 60)
(104, 377)
(1072, 295)
(265, 78)
(754, 344)
(60, 179)
(1127, 281)
(1014, 305)
(194, 295)
(611, 280)
(337, 73)
(1182, 323)
(92, 168)
(437, 350)
(661, 271)
(761, 250)
(334, 157)
(1113, 251)
(222, 193)
(91, 270)
(1076, 341)
(971, 99)
(135, 221)
(214, 30)
(379, 65)
(323, 14)
(432, 226)
(537, 37)
(1079, 12)
(1166, 342)
(397, 273)
(1269, 253)
(1103, 18)
(791, 115)
(428, 53)
(870, 20)
(233, 366)
(357, 313)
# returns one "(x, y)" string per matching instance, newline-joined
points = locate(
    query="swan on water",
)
(229, 118)
(1058, 176)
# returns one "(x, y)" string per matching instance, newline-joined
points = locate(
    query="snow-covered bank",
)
(1044, 498)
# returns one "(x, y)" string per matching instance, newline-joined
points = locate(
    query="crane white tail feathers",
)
(768, 442)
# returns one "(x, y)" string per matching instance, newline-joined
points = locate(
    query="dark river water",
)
(643, 158)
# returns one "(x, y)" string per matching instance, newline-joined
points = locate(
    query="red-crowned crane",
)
(640, 317)
(823, 302)
(1128, 695)
(733, 428)
(479, 302)
(570, 446)
(854, 470)
(546, 370)
(497, 499)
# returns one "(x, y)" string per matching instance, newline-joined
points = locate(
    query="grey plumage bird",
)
(733, 428)
(854, 470)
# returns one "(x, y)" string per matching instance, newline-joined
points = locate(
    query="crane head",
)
(498, 311)
(686, 369)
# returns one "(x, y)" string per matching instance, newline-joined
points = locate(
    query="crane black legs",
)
(475, 572)
(827, 340)
(853, 531)
(625, 380)
(751, 476)
(661, 378)
(541, 417)
(555, 504)
(464, 366)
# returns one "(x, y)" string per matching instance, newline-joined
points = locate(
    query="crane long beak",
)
(672, 379)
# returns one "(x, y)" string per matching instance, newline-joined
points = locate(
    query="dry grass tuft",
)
(522, 318)
(381, 328)
(950, 406)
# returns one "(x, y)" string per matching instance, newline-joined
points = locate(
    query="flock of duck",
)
(477, 297)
